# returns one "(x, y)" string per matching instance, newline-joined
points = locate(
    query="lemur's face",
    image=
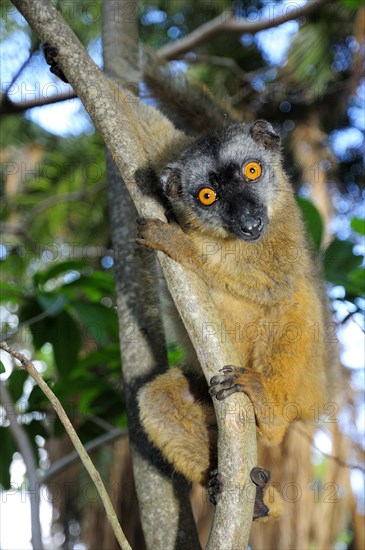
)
(225, 183)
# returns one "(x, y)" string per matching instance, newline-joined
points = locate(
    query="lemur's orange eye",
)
(252, 170)
(207, 196)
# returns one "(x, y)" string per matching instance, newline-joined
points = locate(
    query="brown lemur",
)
(239, 228)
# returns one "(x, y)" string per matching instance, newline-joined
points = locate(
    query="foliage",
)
(67, 310)
(58, 296)
(341, 266)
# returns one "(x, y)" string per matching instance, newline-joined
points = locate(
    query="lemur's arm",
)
(171, 239)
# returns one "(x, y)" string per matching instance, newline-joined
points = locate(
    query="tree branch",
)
(141, 142)
(26, 451)
(86, 460)
(53, 200)
(220, 61)
(226, 22)
(189, 104)
(22, 66)
(175, 50)
(340, 462)
(46, 313)
(138, 306)
(21, 229)
(66, 461)
(8, 107)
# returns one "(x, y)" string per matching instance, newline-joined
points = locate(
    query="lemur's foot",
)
(236, 379)
(51, 55)
(260, 478)
(215, 486)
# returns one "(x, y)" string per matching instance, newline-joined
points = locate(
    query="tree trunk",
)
(144, 353)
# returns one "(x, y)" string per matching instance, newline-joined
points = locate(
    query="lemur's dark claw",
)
(215, 486)
(51, 56)
(260, 478)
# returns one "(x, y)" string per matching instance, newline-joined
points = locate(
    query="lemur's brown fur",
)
(271, 306)
(267, 293)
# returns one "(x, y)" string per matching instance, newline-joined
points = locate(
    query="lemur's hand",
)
(156, 234)
(167, 237)
(237, 379)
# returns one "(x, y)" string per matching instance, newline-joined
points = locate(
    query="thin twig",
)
(339, 461)
(18, 229)
(26, 451)
(21, 68)
(220, 61)
(71, 458)
(351, 315)
(227, 23)
(21, 229)
(49, 311)
(94, 474)
(73, 196)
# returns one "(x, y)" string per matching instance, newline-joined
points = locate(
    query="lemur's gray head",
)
(225, 183)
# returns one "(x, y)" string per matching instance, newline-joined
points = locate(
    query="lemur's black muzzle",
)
(252, 227)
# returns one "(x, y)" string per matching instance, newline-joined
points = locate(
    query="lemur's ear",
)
(264, 133)
(170, 180)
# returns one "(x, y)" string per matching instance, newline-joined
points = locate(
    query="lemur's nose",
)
(252, 227)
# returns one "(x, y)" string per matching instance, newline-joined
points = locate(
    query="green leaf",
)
(352, 4)
(37, 401)
(10, 291)
(58, 269)
(107, 355)
(175, 355)
(356, 282)
(104, 282)
(357, 276)
(52, 303)
(318, 56)
(30, 310)
(2, 368)
(61, 331)
(93, 287)
(101, 399)
(339, 260)
(64, 334)
(358, 225)
(313, 221)
(87, 401)
(100, 323)
(8, 449)
(16, 383)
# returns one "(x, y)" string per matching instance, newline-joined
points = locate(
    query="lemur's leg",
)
(180, 423)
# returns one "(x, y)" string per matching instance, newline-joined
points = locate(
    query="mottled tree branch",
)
(138, 307)
(141, 142)
(8, 107)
